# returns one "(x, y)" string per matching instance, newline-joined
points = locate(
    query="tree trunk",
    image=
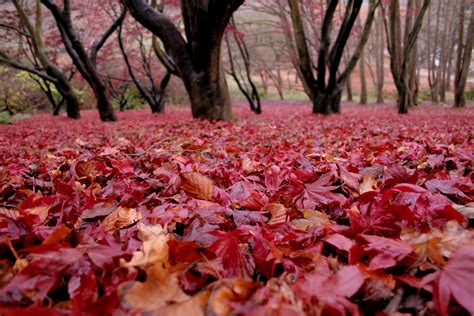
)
(327, 102)
(403, 101)
(349, 89)
(380, 60)
(85, 62)
(363, 82)
(198, 56)
(209, 94)
(72, 103)
(400, 59)
(61, 82)
(325, 89)
(461, 77)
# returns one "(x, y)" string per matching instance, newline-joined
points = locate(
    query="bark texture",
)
(198, 58)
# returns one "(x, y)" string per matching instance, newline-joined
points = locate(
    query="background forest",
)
(261, 55)
(231, 157)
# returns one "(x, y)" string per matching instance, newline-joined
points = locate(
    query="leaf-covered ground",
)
(284, 213)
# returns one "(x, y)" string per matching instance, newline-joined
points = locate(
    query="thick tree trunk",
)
(209, 94)
(327, 102)
(198, 57)
(403, 101)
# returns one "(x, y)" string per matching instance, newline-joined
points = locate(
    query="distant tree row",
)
(322, 42)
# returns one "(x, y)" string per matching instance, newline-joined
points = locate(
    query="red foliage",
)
(288, 213)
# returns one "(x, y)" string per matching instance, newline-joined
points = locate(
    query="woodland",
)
(232, 157)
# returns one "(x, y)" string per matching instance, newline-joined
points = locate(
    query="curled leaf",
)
(197, 185)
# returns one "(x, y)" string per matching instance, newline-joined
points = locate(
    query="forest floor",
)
(284, 213)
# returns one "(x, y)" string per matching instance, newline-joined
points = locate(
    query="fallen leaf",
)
(369, 183)
(120, 218)
(228, 292)
(40, 211)
(439, 243)
(456, 279)
(197, 185)
(278, 213)
(161, 291)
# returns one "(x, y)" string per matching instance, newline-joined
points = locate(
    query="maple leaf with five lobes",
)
(320, 192)
(234, 259)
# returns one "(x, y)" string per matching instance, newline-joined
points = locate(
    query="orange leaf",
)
(120, 218)
(197, 185)
(369, 183)
(160, 293)
(57, 235)
(278, 213)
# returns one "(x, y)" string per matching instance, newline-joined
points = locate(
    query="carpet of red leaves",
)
(285, 213)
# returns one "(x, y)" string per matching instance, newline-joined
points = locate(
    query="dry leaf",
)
(278, 213)
(160, 293)
(120, 218)
(369, 183)
(20, 264)
(466, 210)
(438, 244)
(197, 184)
(192, 307)
(41, 211)
(57, 235)
(227, 292)
(85, 169)
(312, 219)
(9, 213)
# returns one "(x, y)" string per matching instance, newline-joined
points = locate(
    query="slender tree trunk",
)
(363, 82)
(380, 59)
(70, 98)
(461, 77)
(84, 61)
(325, 89)
(349, 89)
(400, 59)
(62, 84)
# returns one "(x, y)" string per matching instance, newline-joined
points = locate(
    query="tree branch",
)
(4, 58)
(97, 45)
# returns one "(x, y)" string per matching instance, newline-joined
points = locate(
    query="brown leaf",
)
(120, 218)
(9, 213)
(160, 293)
(311, 219)
(369, 183)
(438, 244)
(57, 235)
(197, 185)
(40, 211)
(278, 213)
(227, 292)
(85, 169)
